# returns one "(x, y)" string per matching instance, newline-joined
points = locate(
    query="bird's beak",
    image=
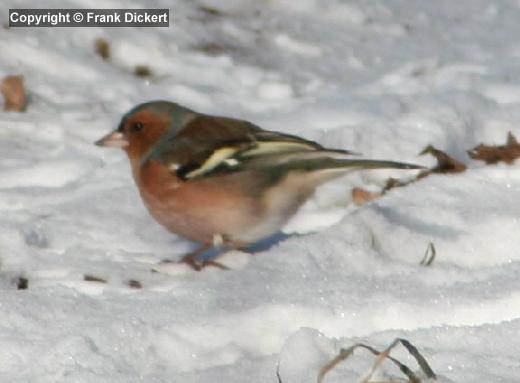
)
(114, 140)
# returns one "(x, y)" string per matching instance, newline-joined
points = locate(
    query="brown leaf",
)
(134, 284)
(492, 154)
(12, 88)
(210, 11)
(142, 71)
(361, 196)
(445, 163)
(102, 48)
(215, 48)
(22, 283)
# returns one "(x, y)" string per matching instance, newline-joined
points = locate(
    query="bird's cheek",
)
(114, 140)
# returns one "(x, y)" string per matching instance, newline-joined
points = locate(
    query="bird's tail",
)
(349, 163)
(320, 166)
(345, 164)
(318, 171)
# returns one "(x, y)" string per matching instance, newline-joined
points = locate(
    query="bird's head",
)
(144, 125)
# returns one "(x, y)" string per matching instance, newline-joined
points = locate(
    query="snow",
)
(383, 78)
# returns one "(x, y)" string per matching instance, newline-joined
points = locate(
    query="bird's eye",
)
(137, 127)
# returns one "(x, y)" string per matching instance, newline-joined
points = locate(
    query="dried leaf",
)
(132, 283)
(361, 196)
(102, 48)
(12, 88)
(492, 154)
(92, 278)
(207, 14)
(22, 283)
(445, 163)
(210, 11)
(215, 48)
(142, 71)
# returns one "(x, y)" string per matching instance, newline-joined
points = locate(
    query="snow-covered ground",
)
(384, 77)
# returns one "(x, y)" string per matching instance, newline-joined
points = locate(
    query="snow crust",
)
(383, 78)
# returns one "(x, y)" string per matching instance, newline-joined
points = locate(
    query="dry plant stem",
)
(419, 358)
(412, 378)
(278, 376)
(343, 355)
(386, 354)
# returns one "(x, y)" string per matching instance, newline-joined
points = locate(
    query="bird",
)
(223, 182)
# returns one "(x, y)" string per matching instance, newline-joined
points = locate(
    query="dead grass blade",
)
(278, 373)
(343, 355)
(419, 358)
(429, 255)
(381, 356)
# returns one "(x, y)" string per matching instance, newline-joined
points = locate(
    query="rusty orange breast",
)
(195, 209)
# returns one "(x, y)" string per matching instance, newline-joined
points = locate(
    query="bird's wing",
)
(210, 146)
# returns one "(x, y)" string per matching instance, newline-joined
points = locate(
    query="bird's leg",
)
(213, 263)
(191, 258)
(218, 242)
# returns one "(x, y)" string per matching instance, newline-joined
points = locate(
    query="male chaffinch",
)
(221, 181)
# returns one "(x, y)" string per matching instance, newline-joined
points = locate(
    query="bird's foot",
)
(196, 264)
(191, 259)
